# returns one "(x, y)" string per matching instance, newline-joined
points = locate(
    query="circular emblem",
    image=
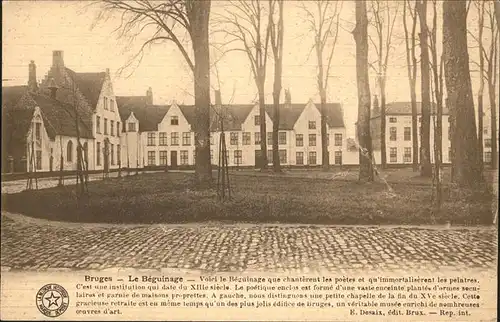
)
(52, 300)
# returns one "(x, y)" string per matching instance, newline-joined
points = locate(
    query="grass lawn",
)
(172, 198)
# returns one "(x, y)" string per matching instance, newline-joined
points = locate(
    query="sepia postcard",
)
(263, 160)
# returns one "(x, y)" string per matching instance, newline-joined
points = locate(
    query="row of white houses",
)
(41, 122)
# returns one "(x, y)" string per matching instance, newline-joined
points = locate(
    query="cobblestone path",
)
(28, 244)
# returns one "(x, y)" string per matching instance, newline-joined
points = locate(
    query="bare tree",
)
(425, 151)
(411, 62)
(459, 89)
(488, 69)
(245, 23)
(384, 17)
(277, 30)
(360, 34)
(163, 22)
(325, 27)
(437, 76)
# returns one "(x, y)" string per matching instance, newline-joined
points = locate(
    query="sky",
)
(33, 29)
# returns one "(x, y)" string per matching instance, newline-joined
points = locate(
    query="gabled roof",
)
(59, 118)
(15, 126)
(89, 84)
(12, 94)
(404, 108)
(127, 103)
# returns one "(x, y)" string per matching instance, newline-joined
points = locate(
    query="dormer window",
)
(312, 125)
(174, 120)
(131, 127)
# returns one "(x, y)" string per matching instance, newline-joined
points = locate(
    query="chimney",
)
(149, 96)
(288, 98)
(32, 84)
(376, 107)
(218, 100)
(53, 88)
(57, 59)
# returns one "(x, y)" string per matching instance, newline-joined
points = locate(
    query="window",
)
(211, 156)
(269, 138)
(299, 139)
(312, 125)
(98, 153)
(131, 127)
(151, 157)
(163, 138)
(257, 138)
(393, 120)
(174, 120)
(449, 134)
(392, 133)
(449, 154)
(393, 155)
(163, 157)
(186, 138)
(312, 158)
(98, 124)
(233, 138)
(184, 157)
(269, 156)
(69, 151)
(112, 104)
(238, 157)
(487, 157)
(256, 119)
(118, 155)
(487, 143)
(485, 130)
(299, 158)
(174, 138)
(282, 138)
(338, 139)
(407, 133)
(151, 138)
(246, 138)
(112, 154)
(118, 129)
(38, 131)
(407, 155)
(38, 159)
(105, 103)
(282, 156)
(312, 139)
(112, 127)
(338, 157)
(105, 126)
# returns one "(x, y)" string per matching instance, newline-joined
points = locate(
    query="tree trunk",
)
(263, 133)
(425, 152)
(458, 85)
(493, 116)
(201, 13)
(497, 12)
(276, 117)
(481, 83)
(383, 149)
(414, 125)
(325, 156)
(360, 34)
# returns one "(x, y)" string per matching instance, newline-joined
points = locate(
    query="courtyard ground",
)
(399, 196)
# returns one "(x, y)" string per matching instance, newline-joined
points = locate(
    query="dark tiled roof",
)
(148, 116)
(232, 115)
(59, 118)
(89, 84)
(290, 114)
(12, 94)
(127, 103)
(404, 108)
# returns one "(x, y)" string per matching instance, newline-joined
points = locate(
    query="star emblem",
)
(52, 299)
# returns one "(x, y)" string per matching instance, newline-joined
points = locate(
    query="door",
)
(173, 159)
(106, 155)
(257, 158)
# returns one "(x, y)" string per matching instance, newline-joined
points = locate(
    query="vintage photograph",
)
(249, 137)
